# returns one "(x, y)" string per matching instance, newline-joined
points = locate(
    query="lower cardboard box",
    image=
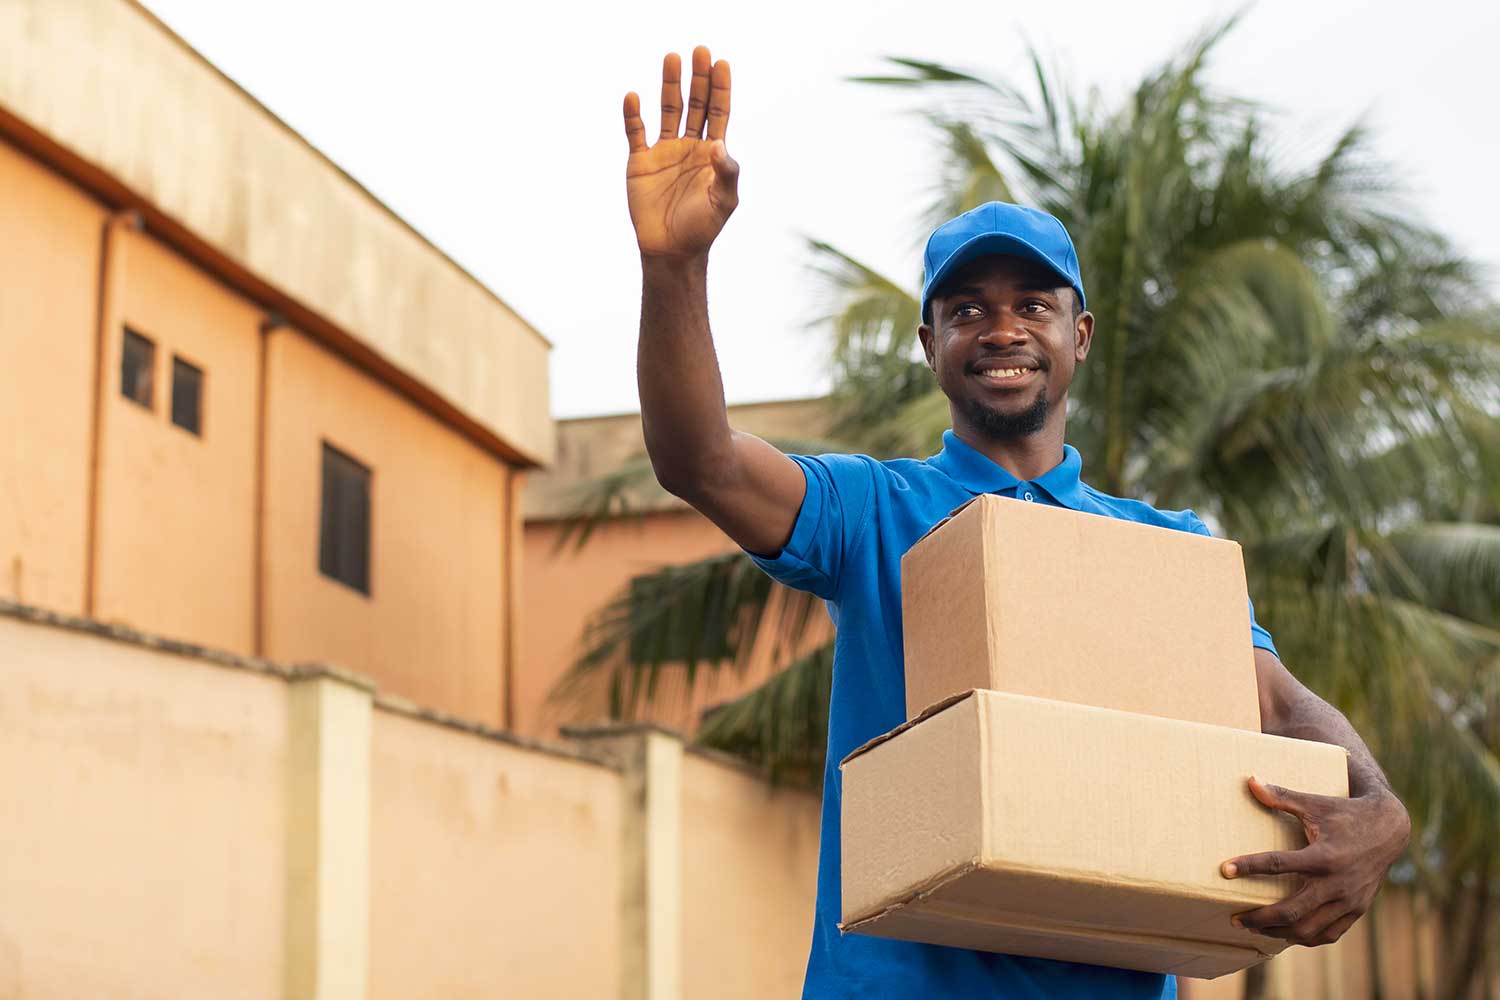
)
(1026, 826)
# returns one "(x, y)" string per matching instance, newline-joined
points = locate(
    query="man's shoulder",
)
(846, 465)
(1128, 509)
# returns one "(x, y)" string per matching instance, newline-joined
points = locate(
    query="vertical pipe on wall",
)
(107, 298)
(269, 326)
(510, 648)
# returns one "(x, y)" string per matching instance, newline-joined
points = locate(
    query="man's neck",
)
(1026, 456)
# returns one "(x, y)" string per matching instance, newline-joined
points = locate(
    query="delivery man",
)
(1004, 326)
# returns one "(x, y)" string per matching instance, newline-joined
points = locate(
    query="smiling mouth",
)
(1002, 376)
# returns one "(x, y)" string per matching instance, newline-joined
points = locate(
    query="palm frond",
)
(781, 726)
(692, 619)
(631, 490)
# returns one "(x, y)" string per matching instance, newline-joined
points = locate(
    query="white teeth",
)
(999, 373)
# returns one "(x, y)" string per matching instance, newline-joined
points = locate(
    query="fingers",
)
(1336, 930)
(671, 95)
(635, 129)
(718, 100)
(1310, 860)
(1299, 804)
(1286, 914)
(1310, 927)
(698, 93)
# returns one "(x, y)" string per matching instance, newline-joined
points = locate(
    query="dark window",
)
(137, 361)
(187, 396)
(344, 541)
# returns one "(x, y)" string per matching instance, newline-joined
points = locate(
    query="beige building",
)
(260, 593)
(567, 584)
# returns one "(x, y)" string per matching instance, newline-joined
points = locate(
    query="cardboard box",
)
(1025, 826)
(1144, 619)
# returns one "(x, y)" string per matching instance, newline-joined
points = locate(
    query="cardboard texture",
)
(1027, 826)
(1044, 601)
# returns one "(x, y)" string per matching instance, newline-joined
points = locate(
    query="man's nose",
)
(1004, 332)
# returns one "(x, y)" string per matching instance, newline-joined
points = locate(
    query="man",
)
(1004, 325)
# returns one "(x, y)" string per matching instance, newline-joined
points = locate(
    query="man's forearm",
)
(682, 394)
(1300, 714)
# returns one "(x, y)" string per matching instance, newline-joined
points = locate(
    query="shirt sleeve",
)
(1259, 637)
(829, 524)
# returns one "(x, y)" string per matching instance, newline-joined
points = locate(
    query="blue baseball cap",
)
(999, 228)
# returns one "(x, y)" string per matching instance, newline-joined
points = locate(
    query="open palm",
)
(682, 190)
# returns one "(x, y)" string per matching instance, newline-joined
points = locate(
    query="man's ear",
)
(925, 335)
(1083, 336)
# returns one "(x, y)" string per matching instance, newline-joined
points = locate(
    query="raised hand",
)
(683, 189)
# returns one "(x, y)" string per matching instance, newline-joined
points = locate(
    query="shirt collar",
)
(979, 474)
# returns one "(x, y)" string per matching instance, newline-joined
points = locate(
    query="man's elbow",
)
(695, 479)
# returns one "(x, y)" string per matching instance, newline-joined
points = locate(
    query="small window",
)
(187, 396)
(344, 542)
(137, 362)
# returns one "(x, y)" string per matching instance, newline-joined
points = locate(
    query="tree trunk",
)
(1420, 915)
(1256, 979)
(1468, 936)
(1377, 986)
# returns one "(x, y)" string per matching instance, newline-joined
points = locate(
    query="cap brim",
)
(992, 245)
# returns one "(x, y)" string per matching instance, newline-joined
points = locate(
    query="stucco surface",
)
(176, 548)
(747, 900)
(142, 851)
(432, 627)
(49, 268)
(495, 871)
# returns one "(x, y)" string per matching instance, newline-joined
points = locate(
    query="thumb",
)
(726, 169)
(1283, 799)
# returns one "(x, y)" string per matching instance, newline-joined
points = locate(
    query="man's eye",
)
(1033, 305)
(967, 309)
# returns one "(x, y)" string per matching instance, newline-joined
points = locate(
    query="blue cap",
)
(999, 228)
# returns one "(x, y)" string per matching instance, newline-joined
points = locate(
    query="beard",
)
(1005, 426)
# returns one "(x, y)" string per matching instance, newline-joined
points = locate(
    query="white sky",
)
(495, 129)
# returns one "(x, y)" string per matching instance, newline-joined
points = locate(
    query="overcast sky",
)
(495, 130)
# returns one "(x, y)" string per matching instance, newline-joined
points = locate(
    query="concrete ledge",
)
(398, 705)
(297, 672)
(126, 634)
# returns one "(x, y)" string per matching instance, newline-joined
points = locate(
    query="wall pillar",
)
(651, 868)
(328, 837)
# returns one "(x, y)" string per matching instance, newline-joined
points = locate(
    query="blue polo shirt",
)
(858, 518)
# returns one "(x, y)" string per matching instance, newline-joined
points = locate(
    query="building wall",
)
(176, 534)
(432, 627)
(142, 851)
(176, 543)
(50, 236)
(496, 869)
(109, 85)
(149, 844)
(747, 910)
(565, 588)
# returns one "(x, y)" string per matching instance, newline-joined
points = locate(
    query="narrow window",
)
(344, 542)
(187, 396)
(137, 361)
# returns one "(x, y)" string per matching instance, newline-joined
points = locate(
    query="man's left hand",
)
(1350, 845)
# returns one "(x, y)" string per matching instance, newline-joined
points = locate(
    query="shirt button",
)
(1029, 496)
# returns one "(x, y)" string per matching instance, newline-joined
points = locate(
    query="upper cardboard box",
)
(1034, 827)
(1044, 601)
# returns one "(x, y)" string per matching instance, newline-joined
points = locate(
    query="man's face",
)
(1004, 341)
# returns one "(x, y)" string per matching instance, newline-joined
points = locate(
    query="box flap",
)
(950, 516)
(927, 713)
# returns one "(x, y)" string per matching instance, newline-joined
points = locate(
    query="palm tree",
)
(1281, 348)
